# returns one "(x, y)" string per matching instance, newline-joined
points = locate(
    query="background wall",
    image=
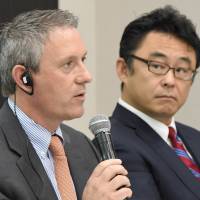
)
(101, 24)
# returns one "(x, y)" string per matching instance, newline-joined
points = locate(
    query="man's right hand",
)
(108, 181)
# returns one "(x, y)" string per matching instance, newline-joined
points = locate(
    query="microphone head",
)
(99, 123)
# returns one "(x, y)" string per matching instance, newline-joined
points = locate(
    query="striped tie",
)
(182, 153)
(62, 172)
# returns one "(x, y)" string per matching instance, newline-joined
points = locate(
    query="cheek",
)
(141, 85)
(47, 91)
(183, 93)
(52, 83)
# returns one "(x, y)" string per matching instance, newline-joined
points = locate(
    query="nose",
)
(84, 75)
(169, 79)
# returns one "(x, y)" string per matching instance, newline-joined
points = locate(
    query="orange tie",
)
(62, 172)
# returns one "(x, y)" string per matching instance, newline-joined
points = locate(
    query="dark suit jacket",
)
(22, 176)
(154, 169)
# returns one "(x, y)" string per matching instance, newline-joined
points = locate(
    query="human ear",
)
(122, 69)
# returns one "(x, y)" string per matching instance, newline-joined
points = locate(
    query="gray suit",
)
(22, 176)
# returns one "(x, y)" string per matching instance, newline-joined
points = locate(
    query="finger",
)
(104, 164)
(112, 171)
(120, 181)
(123, 193)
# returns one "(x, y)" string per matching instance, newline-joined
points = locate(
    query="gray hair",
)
(22, 41)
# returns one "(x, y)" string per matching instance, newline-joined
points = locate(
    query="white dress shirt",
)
(160, 128)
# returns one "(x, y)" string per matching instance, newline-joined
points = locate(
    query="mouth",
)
(166, 97)
(80, 95)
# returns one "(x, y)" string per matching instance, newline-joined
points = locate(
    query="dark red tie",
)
(182, 153)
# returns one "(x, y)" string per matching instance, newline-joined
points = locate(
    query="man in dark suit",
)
(159, 56)
(44, 77)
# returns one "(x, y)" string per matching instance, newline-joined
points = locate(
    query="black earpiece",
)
(27, 79)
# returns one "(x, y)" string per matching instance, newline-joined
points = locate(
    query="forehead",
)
(168, 45)
(63, 42)
(66, 34)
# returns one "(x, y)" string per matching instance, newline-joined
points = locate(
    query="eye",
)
(84, 59)
(157, 66)
(69, 65)
(181, 70)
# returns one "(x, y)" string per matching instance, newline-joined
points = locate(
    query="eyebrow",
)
(73, 56)
(158, 54)
(161, 55)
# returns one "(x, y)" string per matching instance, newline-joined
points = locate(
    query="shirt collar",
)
(39, 136)
(156, 125)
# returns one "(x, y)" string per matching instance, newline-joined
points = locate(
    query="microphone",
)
(100, 127)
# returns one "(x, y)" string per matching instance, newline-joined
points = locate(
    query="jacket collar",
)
(28, 162)
(164, 153)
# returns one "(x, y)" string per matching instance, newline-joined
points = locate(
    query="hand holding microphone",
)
(109, 179)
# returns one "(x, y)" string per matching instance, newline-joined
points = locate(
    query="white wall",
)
(102, 23)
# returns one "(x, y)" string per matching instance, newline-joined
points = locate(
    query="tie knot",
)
(56, 146)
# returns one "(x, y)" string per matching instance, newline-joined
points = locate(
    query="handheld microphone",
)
(100, 127)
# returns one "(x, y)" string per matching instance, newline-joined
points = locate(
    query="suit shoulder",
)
(187, 128)
(74, 135)
(78, 140)
(71, 131)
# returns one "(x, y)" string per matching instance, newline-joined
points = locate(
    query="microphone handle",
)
(103, 143)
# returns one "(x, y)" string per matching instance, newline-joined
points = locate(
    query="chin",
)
(168, 109)
(167, 114)
(75, 115)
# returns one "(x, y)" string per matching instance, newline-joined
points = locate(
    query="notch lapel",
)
(81, 157)
(75, 162)
(168, 156)
(163, 154)
(191, 140)
(28, 163)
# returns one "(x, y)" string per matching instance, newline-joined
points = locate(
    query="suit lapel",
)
(28, 162)
(168, 156)
(81, 157)
(160, 148)
(191, 140)
(46, 191)
(75, 164)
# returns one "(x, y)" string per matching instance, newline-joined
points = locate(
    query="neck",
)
(39, 117)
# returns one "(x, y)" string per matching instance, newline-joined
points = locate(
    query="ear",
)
(122, 69)
(17, 72)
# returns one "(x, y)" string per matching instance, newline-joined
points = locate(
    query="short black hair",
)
(165, 20)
